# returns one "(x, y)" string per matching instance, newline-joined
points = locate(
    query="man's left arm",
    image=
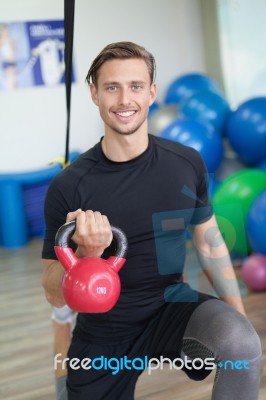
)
(216, 263)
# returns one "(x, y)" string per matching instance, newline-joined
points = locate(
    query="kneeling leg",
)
(217, 330)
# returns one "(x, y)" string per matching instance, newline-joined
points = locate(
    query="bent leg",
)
(217, 330)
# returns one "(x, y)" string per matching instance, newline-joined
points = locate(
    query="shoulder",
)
(68, 179)
(168, 148)
(81, 166)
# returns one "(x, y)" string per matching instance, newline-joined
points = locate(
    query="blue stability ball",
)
(208, 106)
(186, 85)
(262, 165)
(256, 224)
(201, 136)
(246, 131)
(153, 107)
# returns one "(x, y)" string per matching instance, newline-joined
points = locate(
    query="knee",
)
(224, 331)
(62, 315)
(240, 340)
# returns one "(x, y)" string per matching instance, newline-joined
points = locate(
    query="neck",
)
(119, 148)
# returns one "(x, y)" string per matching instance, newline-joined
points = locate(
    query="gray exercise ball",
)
(228, 167)
(161, 118)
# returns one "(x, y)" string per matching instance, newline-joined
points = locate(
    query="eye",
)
(136, 88)
(112, 89)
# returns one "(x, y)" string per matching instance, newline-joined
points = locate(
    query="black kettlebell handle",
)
(66, 231)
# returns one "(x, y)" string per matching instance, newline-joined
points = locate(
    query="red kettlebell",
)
(90, 285)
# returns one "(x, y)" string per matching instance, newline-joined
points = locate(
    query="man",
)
(153, 189)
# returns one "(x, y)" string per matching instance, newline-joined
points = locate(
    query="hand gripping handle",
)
(66, 231)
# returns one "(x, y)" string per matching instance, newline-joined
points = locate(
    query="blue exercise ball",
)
(256, 224)
(246, 130)
(262, 165)
(201, 136)
(208, 106)
(185, 85)
(153, 107)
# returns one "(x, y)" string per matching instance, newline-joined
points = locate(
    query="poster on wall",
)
(32, 54)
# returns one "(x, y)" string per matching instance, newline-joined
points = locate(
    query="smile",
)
(125, 114)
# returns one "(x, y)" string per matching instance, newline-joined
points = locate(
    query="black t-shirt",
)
(152, 198)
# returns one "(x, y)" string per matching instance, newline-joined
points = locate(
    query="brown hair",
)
(121, 50)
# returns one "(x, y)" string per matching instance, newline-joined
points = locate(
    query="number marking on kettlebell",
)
(101, 290)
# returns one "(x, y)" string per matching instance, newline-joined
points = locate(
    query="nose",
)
(124, 97)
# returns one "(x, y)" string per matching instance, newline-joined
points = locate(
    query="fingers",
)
(97, 218)
(92, 221)
(93, 232)
(71, 216)
(92, 216)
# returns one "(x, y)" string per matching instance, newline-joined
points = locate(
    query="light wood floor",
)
(26, 339)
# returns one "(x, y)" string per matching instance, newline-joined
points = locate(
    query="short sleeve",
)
(55, 210)
(203, 208)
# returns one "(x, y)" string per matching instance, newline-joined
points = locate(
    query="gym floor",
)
(26, 337)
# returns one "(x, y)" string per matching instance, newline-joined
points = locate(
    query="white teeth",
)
(126, 113)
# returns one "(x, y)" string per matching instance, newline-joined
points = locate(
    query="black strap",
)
(69, 11)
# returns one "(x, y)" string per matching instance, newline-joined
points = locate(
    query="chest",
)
(136, 193)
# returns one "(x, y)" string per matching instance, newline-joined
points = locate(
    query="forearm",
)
(51, 282)
(215, 260)
(218, 268)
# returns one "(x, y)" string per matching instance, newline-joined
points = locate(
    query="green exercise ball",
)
(232, 201)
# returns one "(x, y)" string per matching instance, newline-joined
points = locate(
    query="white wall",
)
(32, 123)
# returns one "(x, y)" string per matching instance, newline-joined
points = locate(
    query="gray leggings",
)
(218, 331)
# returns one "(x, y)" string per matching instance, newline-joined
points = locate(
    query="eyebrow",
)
(114, 83)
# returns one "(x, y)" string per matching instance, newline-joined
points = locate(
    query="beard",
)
(126, 133)
(126, 130)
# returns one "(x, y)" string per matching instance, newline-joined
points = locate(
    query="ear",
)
(94, 94)
(153, 93)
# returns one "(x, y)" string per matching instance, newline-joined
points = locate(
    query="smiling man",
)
(136, 181)
(123, 94)
(124, 104)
